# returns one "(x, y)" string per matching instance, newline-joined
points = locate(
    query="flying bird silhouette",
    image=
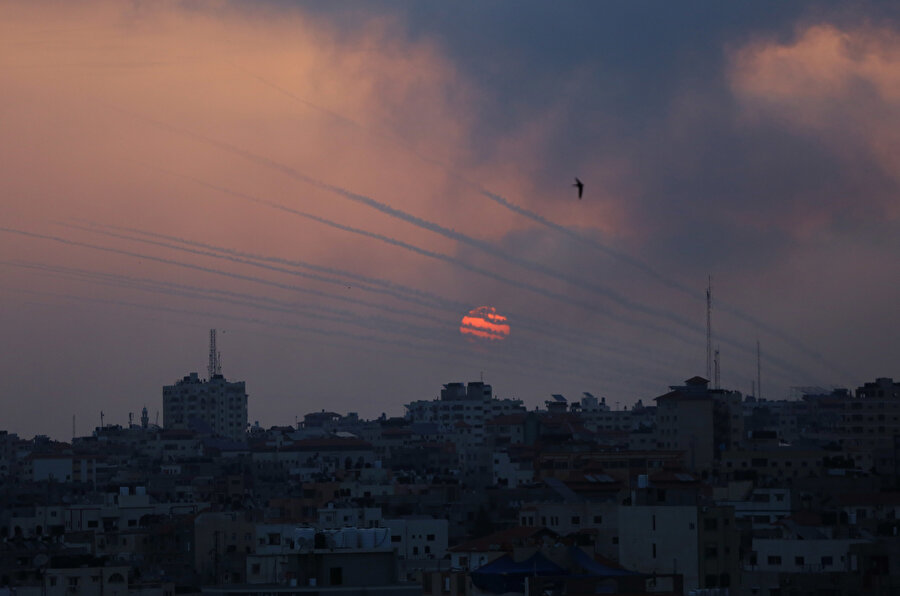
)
(580, 186)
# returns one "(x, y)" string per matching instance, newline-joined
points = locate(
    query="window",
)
(395, 538)
(799, 561)
(576, 520)
(598, 519)
(254, 569)
(430, 537)
(710, 524)
(827, 561)
(336, 576)
(654, 550)
(774, 560)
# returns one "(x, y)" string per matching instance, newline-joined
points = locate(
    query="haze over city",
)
(335, 187)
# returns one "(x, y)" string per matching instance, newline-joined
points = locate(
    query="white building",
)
(220, 404)
(660, 539)
(418, 537)
(472, 404)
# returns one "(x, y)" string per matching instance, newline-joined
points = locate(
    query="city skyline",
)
(336, 188)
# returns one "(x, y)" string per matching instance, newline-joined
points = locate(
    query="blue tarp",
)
(596, 569)
(506, 575)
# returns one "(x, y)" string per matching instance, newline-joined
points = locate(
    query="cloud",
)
(839, 87)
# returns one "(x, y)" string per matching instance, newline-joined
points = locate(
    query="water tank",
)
(342, 538)
(351, 538)
(304, 537)
(643, 481)
(382, 537)
(367, 538)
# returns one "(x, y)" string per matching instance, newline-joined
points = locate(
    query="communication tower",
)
(215, 365)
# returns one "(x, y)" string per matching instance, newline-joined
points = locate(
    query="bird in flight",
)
(580, 186)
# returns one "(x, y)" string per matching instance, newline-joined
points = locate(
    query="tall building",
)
(216, 403)
(700, 421)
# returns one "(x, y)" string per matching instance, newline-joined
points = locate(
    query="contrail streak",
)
(256, 261)
(422, 223)
(234, 298)
(463, 264)
(213, 271)
(521, 320)
(550, 345)
(407, 347)
(604, 248)
(441, 230)
(564, 298)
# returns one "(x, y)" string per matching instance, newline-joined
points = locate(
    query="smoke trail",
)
(234, 298)
(422, 223)
(242, 277)
(414, 349)
(568, 232)
(254, 260)
(564, 298)
(448, 233)
(491, 275)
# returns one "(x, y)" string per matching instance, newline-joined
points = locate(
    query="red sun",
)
(484, 322)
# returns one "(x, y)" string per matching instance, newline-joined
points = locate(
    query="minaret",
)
(145, 418)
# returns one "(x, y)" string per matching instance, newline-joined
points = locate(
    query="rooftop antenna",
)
(215, 366)
(101, 419)
(709, 357)
(73, 427)
(716, 383)
(758, 374)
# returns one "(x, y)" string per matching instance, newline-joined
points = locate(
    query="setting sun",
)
(485, 322)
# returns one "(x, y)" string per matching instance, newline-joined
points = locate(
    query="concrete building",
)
(473, 404)
(872, 419)
(216, 403)
(699, 421)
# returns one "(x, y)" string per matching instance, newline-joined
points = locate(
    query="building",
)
(472, 404)
(216, 405)
(872, 420)
(699, 421)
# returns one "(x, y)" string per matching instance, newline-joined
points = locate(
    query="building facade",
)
(216, 404)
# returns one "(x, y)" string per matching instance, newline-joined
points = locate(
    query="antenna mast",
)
(215, 366)
(709, 356)
(717, 371)
(758, 374)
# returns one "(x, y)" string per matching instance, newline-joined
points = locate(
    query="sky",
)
(334, 187)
